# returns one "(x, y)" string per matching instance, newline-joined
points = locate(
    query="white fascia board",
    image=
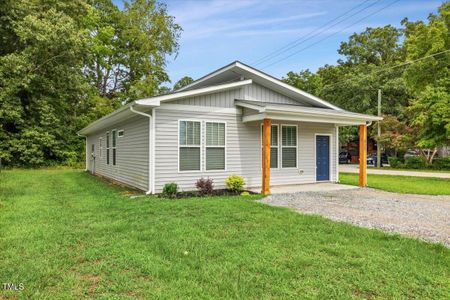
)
(156, 101)
(208, 76)
(103, 119)
(305, 111)
(304, 118)
(251, 106)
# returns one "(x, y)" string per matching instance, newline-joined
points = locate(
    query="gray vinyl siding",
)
(226, 99)
(132, 153)
(243, 141)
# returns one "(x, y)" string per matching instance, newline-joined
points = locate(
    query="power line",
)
(310, 45)
(305, 38)
(392, 67)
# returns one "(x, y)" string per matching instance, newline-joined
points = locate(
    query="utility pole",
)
(379, 131)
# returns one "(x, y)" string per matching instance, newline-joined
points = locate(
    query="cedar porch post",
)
(267, 125)
(362, 155)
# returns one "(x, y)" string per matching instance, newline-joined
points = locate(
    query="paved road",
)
(355, 169)
(421, 216)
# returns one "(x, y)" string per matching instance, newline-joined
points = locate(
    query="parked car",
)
(345, 157)
(372, 159)
(411, 153)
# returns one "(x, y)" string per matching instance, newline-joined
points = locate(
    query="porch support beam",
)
(267, 125)
(362, 155)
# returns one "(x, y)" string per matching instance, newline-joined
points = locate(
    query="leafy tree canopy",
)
(183, 82)
(415, 95)
(64, 64)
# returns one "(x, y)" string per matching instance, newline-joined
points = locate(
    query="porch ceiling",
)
(289, 112)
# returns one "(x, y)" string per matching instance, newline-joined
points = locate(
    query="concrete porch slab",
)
(310, 187)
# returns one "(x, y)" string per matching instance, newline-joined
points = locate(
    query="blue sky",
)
(217, 32)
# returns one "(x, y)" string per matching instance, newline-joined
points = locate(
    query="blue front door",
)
(322, 157)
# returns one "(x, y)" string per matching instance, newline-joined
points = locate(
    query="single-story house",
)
(235, 120)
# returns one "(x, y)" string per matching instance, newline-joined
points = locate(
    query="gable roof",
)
(126, 111)
(238, 70)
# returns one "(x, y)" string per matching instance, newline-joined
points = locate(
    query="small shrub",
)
(205, 186)
(235, 183)
(441, 163)
(415, 162)
(170, 190)
(395, 162)
(245, 193)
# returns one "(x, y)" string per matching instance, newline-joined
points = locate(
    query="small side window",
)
(120, 133)
(107, 148)
(114, 144)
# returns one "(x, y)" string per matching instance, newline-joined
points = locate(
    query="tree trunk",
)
(432, 156)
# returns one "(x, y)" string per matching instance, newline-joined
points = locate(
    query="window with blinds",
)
(189, 141)
(215, 146)
(288, 146)
(273, 146)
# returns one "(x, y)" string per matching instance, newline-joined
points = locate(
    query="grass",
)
(68, 235)
(401, 184)
(409, 170)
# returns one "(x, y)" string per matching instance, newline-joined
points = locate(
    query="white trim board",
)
(156, 101)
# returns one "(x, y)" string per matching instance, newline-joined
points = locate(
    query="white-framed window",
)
(107, 147)
(114, 146)
(189, 145)
(274, 145)
(120, 133)
(100, 147)
(288, 146)
(215, 146)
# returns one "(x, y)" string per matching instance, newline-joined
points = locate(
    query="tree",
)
(130, 48)
(430, 80)
(431, 119)
(183, 82)
(365, 67)
(396, 135)
(305, 80)
(64, 64)
(377, 46)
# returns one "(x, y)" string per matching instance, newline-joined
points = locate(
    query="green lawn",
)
(401, 184)
(410, 170)
(67, 235)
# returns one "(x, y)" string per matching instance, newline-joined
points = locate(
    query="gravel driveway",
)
(422, 216)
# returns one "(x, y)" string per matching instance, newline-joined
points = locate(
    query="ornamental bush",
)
(205, 186)
(415, 162)
(235, 183)
(396, 163)
(170, 190)
(441, 163)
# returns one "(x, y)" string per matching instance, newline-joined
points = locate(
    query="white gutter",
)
(150, 149)
(86, 150)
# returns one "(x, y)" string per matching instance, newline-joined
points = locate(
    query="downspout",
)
(150, 152)
(86, 150)
(338, 150)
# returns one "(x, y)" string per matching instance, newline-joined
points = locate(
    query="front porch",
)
(265, 113)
